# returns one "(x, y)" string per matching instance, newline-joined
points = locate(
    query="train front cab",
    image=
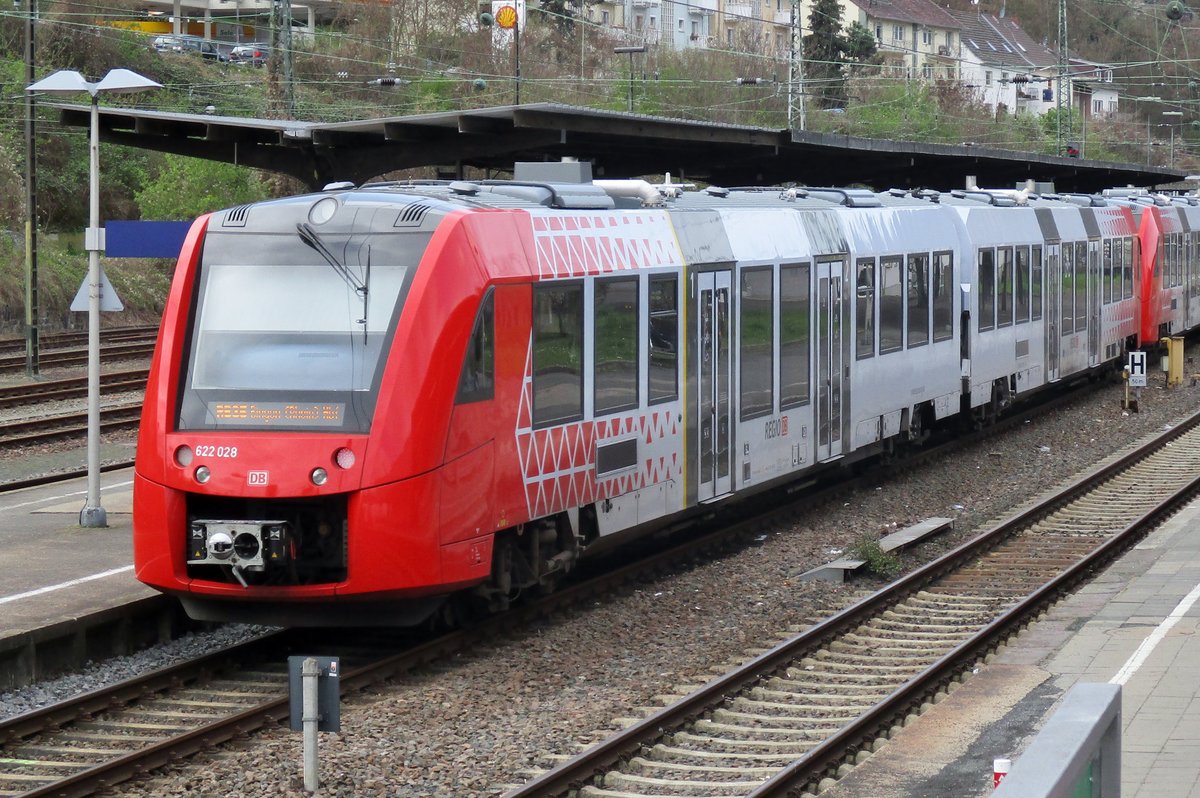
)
(357, 478)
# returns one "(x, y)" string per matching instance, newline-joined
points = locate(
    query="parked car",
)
(205, 48)
(254, 54)
(164, 42)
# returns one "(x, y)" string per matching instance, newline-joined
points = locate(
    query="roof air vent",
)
(412, 215)
(236, 217)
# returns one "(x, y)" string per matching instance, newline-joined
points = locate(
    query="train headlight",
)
(183, 456)
(202, 474)
(319, 476)
(322, 210)
(344, 458)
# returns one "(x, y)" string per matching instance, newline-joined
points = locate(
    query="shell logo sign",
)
(506, 17)
(509, 16)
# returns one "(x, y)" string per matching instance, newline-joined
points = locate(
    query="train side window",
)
(1035, 281)
(615, 337)
(794, 294)
(1118, 274)
(1174, 251)
(757, 341)
(1193, 265)
(1068, 288)
(943, 296)
(1108, 272)
(864, 308)
(917, 296)
(477, 380)
(663, 343)
(557, 353)
(891, 304)
(987, 289)
(1081, 285)
(1004, 286)
(1022, 284)
(1127, 293)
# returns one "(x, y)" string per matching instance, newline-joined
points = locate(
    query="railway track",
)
(109, 350)
(31, 431)
(71, 388)
(792, 719)
(786, 720)
(63, 340)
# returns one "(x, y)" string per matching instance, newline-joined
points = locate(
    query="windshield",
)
(287, 334)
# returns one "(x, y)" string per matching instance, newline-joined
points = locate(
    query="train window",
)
(757, 341)
(557, 353)
(987, 289)
(1177, 258)
(663, 332)
(1108, 271)
(864, 309)
(1004, 286)
(917, 295)
(615, 336)
(1118, 270)
(1035, 282)
(943, 296)
(891, 305)
(1022, 284)
(1081, 285)
(1193, 266)
(477, 380)
(793, 334)
(1127, 282)
(1068, 288)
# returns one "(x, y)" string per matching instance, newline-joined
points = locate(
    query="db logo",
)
(258, 478)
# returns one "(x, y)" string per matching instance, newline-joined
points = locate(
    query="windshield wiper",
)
(361, 287)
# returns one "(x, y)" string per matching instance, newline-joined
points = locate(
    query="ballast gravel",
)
(482, 721)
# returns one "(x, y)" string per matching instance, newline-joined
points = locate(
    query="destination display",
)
(282, 414)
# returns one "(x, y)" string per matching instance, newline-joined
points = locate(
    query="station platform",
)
(68, 594)
(1135, 624)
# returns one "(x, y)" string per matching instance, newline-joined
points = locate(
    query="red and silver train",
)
(368, 400)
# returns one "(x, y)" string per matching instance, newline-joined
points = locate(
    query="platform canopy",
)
(618, 144)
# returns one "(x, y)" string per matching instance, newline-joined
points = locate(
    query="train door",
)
(714, 383)
(1053, 314)
(1095, 287)
(828, 337)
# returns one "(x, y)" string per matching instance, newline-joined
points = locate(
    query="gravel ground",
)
(468, 726)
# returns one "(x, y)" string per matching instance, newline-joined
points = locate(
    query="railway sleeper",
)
(891, 647)
(105, 736)
(793, 710)
(648, 767)
(633, 783)
(798, 741)
(44, 764)
(39, 749)
(868, 637)
(839, 679)
(669, 752)
(823, 705)
(769, 724)
(822, 687)
(771, 690)
(885, 665)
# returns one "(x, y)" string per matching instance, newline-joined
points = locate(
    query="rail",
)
(821, 761)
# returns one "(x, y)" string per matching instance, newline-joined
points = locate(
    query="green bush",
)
(882, 563)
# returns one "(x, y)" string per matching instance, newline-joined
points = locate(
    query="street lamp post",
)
(1147, 100)
(1171, 125)
(641, 48)
(117, 81)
